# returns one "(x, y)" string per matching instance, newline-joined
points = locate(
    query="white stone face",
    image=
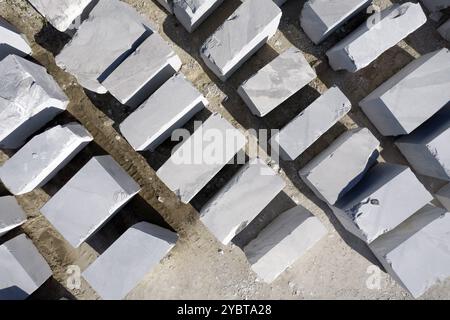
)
(241, 200)
(320, 18)
(341, 166)
(42, 157)
(22, 269)
(120, 268)
(12, 41)
(443, 196)
(283, 242)
(417, 253)
(11, 214)
(436, 5)
(201, 157)
(412, 96)
(241, 35)
(90, 199)
(378, 34)
(388, 195)
(444, 30)
(276, 82)
(191, 13)
(169, 108)
(311, 124)
(29, 98)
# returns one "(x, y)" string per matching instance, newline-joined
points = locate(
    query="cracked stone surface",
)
(443, 195)
(12, 41)
(191, 13)
(11, 214)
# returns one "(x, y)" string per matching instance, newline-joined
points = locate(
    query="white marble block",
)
(379, 33)
(276, 82)
(443, 196)
(417, 253)
(320, 18)
(412, 96)
(241, 200)
(42, 157)
(169, 108)
(337, 169)
(90, 199)
(201, 157)
(22, 269)
(444, 30)
(123, 265)
(241, 35)
(436, 5)
(12, 41)
(166, 4)
(11, 214)
(29, 98)
(285, 240)
(385, 197)
(311, 124)
(191, 13)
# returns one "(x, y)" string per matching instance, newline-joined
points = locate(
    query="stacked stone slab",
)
(379, 33)
(444, 30)
(276, 82)
(11, 214)
(241, 200)
(337, 169)
(90, 199)
(443, 196)
(42, 158)
(436, 5)
(240, 36)
(191, 13)
(29, 98)
(120, 268)
(201, 157)
(417, 253)
(12, 41)
(310, 124)
(320, 18)
(385, 197)
(283, 242)
(169, 108)
(412, 96)
(22, 269)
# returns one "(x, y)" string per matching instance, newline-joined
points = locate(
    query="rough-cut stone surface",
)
(436, 5)
(276, 82)
(201, 157)
(166, 4)
(320, 18)
(417, 253)
(241, 200)
(241, 35)
(42, 157)
(284, 241)
(342, 165)
(143, 72)
(12, 41)
(444, 30)
(385, 197)
(191, 13)
(412, 96)
(60, 13)
(427, 148)
(22, 269)
(443, 196)
(311, 124)
(379, 33)
(11, 214)
(29, 98)
(169, 108)
(90, 199)
(120, 268)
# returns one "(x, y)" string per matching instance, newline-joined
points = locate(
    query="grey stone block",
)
(11, 214)
(279, 2)
(240, 36)
(29, 98)
(201, 157)
(90, 199)
(42, 157)
(388, 195)
(22, 269)
(166, 4)
(12, 41)
(276, 82)
(169, 108)
(283, 242)
(241, 200)
(436, 5)
(191, 13)
(123, 265)
(412, 96)
(337, 169)
(320, 18)
(379, 33)
(311, 124)
(444, 30)
(417, 253)
(443, 196)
